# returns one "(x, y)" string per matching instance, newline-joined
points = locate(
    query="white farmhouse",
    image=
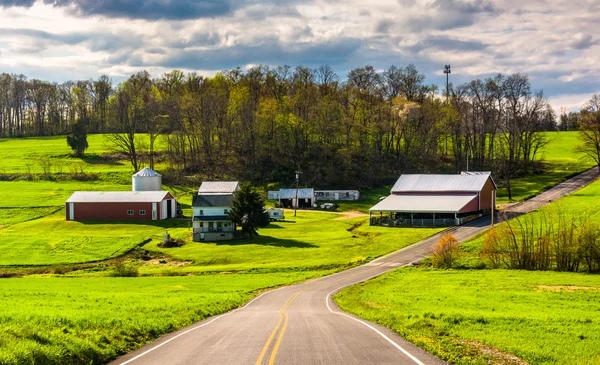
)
(210, 221)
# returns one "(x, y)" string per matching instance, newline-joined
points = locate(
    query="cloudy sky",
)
(553, 41)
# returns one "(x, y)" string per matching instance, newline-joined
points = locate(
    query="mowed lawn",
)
(94, 320)
(541, 317)
(309, 240)
(53, 240)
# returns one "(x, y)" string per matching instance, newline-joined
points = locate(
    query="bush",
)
(121, 269)
(445, 252)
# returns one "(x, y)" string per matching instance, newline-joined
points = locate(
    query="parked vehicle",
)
(275, 214)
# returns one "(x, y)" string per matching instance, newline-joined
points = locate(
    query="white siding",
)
(210, 210)
(163, 209)
(173, 208)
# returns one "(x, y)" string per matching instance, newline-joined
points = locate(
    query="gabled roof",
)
(424, 203)
(213, 200)
(119, 196)
(305, 193)
(146, 172)
(218, 187)
(466, 182)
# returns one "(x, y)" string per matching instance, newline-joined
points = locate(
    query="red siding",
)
(113, 211)
(486, 195)
(473, 206)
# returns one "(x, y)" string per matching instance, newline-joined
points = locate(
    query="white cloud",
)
(552, 41)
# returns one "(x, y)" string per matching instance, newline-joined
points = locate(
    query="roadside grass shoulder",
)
(476, 317)
(94, 320)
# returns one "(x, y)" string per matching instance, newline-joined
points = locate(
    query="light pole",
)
(297, 178)
(447, 71)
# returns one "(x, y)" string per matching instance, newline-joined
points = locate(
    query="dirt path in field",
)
(349, 215)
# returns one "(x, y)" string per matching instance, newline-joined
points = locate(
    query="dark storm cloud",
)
(95, 41)
(447, 44)
(136, 9)
(448, 14)
(166, 9)
(265, 51)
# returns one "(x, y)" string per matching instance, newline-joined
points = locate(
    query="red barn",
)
(121, 205)
(437, 200)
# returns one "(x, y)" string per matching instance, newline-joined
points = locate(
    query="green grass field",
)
(94, 320)
(562, 162)
(53, 240)
(541, 317)
(26, 155)
(310, 240)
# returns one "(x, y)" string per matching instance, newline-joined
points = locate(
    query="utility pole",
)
(297, 179)
(447, 71)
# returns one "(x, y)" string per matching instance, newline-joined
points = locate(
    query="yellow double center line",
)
(283, 318)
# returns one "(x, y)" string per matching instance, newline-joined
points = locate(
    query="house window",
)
(225, 211)
(130, 212)
(201, 212)
(142, 212)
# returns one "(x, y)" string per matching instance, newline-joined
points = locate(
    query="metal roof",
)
(146, 172)
(210, 218)
(219, 187)
(434, 183)
(117, 196)
(423, 203)
(305, 193)
(212, 200)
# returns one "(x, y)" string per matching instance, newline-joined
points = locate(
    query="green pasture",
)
(28, 155)
(562, 161)
(53, 240)
(94, 320)
(309, 240)
(48, 193)
(541, 317)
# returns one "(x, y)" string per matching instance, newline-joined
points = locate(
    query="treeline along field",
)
(262, 124)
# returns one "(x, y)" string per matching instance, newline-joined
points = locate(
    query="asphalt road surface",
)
(300, 324)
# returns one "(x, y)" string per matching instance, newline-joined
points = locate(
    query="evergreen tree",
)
(77, 140)
(248, 210)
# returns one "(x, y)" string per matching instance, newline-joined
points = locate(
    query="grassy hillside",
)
(461, 316)
(94, 320)
(562, 161)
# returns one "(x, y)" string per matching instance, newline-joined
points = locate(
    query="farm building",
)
(436, 200)
(335, 195)
(306, 198)
(120, 205)
(146, 201)
(210, 221)
(218, 187)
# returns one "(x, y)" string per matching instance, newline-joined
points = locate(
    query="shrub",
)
(445, 251)
(121, 269)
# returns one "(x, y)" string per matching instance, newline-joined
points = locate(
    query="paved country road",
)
(300, 324)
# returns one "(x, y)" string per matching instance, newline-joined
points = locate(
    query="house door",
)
(169, 208)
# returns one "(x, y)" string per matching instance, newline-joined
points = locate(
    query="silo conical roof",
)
(147, 172)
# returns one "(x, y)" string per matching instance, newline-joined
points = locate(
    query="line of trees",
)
(263, 124)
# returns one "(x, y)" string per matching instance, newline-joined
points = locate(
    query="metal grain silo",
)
(146, 180)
